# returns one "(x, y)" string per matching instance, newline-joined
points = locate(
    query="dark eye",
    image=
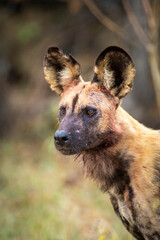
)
(90, 111)
(62, 111)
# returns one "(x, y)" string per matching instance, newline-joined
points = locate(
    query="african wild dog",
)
(122, 155)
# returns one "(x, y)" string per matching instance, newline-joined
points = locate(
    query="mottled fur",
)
(119, 153)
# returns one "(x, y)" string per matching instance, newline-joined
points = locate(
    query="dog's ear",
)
(114, 70)
(61, 71)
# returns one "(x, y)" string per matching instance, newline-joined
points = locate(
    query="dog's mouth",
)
(67, 150)
(76, 149)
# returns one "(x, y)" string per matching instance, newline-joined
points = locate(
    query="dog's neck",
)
(109, 163)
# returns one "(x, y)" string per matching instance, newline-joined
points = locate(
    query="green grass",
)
(43, 196)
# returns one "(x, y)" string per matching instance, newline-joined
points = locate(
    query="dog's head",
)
(87, 109)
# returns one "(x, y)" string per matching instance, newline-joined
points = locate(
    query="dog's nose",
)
(61, 137)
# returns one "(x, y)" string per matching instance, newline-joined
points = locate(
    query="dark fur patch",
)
(95, 79)
(73, 61)
(154, 236)
(110, 170)
(131, 198)
(156, 176)
(133, 229)
(75, 99)
(58, 66)
(118, 66)
(120, 178)
(137, 233)
(122, 183)
(53, 49)
(102, 143)
(115, 204)
(53, 62)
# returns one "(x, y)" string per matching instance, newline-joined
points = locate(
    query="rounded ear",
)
(115, 71)
(60, 70)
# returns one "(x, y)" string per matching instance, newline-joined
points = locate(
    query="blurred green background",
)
(43, 195)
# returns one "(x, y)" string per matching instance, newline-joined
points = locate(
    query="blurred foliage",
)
(28, 32)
